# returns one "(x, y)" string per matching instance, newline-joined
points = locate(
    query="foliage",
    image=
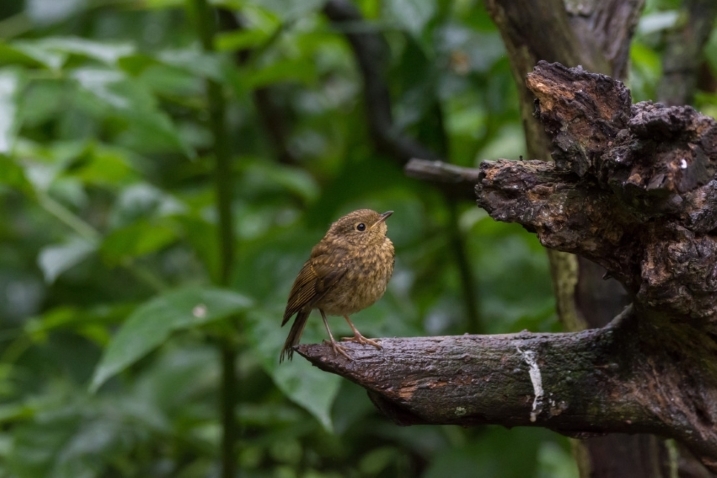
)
(109, 321)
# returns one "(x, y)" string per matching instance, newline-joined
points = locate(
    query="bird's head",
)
(361, 228)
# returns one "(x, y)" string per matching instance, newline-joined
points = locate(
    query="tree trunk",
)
(596, 35)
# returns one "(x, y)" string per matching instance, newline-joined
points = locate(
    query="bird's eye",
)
(361, 227)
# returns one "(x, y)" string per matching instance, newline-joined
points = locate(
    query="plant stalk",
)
(205, 21)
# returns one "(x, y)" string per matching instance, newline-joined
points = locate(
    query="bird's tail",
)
(294, 334)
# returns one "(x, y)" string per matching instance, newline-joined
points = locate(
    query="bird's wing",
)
(312, 283)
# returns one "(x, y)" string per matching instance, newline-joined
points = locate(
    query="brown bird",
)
(348, 271)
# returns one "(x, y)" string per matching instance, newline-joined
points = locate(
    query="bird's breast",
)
(368, 270)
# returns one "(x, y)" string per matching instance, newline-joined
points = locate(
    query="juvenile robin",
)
(348, 271)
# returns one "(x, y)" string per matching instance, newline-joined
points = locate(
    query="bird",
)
(348, 270)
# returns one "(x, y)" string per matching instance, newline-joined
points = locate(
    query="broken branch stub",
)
(560, 381)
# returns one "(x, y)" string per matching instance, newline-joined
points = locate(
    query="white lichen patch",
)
(530, 358)
(460, 411)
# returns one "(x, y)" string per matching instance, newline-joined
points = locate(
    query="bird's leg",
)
(337, 348)
(358, 337)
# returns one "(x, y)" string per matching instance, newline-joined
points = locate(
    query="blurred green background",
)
(111, 318)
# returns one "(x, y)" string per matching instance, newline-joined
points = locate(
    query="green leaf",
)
(137, 63)
(288, 10)
(108, 53)
(412, 15)
(161, 4)
(141, 200)
(138, 239)
(106, 85)
(555, 461)
(313, 389)
(12, 412)
(261, 175)
(193, 61)
(103, 165)
(307, 386)
(35, 445)
(646, 71)
(658, 21)
(9, 86)
(486, 453)
(56, 259)
(47, 12)
(300, 70)
(202, 235)
(241, 39)
(152, 324)
(13, 175)
(27, 53)
(134, 102)
(92, 322)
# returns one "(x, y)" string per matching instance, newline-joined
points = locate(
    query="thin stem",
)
(69, 218)
(468, 282)
(205, 22)
(230, 429)
(143, 274)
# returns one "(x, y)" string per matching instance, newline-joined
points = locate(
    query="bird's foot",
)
(362, 340)
(338, 349)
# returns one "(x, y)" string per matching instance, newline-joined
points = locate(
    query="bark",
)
(454, 181)
(633, 189)
(638, 179)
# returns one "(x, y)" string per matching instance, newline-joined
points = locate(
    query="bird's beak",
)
(382, 218)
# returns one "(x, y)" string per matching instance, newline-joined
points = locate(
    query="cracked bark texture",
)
(638, 178)
(633, 189)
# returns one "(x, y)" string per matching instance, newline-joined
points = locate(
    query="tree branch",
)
(515, 379)
(594, 381)
(454, 181)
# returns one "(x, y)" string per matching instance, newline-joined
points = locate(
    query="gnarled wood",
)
(633, 189)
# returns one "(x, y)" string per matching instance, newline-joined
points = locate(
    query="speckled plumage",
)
(348, 271)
